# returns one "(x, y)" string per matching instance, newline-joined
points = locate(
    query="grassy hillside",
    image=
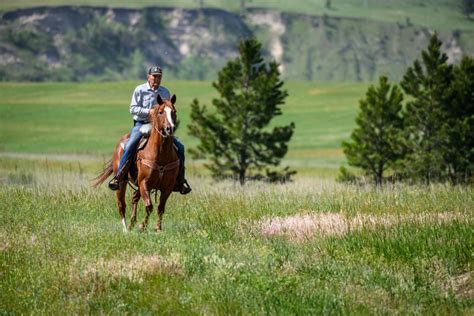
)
(440, 14)
(88, 118)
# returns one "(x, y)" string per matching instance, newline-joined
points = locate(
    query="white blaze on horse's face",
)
(168, 115)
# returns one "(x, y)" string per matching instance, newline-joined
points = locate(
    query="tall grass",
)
(62, 249)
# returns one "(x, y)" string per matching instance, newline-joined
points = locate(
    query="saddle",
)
(140, 146)
(145, 129)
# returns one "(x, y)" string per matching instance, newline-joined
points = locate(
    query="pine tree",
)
(427, 83)
(235, 135)
(467, 7)
(458, 149)
(376, 144)
(328, 4)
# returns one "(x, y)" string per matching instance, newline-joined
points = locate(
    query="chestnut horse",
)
(157, 165)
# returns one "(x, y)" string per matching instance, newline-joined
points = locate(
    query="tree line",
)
(421, 131)
(430, 137)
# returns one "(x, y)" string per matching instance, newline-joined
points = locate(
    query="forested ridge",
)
(67, 43)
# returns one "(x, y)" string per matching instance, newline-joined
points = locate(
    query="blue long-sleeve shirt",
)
(143, 98)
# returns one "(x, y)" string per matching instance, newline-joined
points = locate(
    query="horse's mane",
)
(154, 115)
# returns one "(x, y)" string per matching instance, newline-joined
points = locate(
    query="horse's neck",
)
(159, 148)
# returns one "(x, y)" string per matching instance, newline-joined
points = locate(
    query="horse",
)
(156, 166)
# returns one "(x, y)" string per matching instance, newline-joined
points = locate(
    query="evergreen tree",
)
(376, 144)
(427, 83)
(467, 7)
(458, 149)
(328, 4)
(235, 136)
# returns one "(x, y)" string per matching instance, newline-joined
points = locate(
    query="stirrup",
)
(185, 188)
(114, 184)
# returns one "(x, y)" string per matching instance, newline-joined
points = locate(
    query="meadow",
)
(87, 119)
(311, 246)
(308, 247)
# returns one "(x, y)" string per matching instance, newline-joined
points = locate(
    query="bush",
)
(28, 39)
(345, 176)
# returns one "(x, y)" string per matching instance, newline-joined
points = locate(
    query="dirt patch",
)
(463, 285)
(317, 91)
(5, 244)
(134, 268)
(301, 227)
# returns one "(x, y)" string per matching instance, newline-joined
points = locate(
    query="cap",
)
(155, 70)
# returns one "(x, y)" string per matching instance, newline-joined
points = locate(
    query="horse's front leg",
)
(133, 219)
(122, 206)
(161, 209)
(145, 193)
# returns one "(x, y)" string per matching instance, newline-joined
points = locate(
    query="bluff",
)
(98, 43)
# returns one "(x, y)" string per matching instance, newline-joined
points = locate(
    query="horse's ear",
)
(173, 99)
(159, 100)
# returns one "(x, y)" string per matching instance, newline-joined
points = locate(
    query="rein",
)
(159, 132)
(162, 169)
(152, 164)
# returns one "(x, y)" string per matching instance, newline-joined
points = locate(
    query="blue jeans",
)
(132, 143)
(180, 151)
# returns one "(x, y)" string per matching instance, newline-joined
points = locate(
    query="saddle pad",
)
(145, 129)
(140, 146)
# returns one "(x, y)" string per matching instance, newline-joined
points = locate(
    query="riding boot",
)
(114, 184)
(182, 186)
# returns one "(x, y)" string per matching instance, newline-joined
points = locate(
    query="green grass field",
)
(309, 247)
(312, 246)
(439, 14)
(88, 118)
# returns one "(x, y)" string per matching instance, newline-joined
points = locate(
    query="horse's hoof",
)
(125, 230)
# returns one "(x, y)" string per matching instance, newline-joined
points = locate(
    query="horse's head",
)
(163, 116)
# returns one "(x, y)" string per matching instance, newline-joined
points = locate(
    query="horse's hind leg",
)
(148, 205)
(133, 219)
(122, 206)
(161, 209)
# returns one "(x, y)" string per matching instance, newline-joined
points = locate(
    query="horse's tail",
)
(108, 170)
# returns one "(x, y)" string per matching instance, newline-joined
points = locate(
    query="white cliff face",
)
(135, 18)
(453, 51)
(32, 19)
(184, 49)
(274, 23)
(177, 15)
(192, 34)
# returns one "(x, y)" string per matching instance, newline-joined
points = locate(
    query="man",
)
(143, 98)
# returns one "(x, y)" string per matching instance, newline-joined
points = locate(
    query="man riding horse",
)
(143, 98)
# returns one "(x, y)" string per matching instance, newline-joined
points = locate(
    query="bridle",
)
(152, 164)
(158, 130)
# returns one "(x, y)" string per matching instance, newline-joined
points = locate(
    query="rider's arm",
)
(136, 105)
